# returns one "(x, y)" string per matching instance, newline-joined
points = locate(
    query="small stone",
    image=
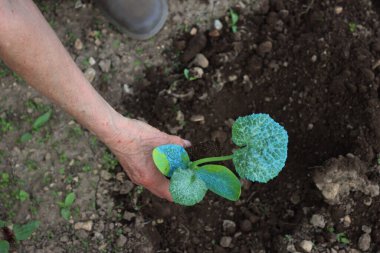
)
(306, 246)
(84, 225)
(197, 72)
(127, 89)
(265, 47)
(121, 241)
(346, 221)
(64, 238)
(90, 74)
(126, 187)
(219, 136)
(255, 64)
(318, 221)
(201, 61)
(314, 58)
(364, 242)
(91, 61)
(214, 33)
(120, 177)
(197, 118)
(366, 229)
(193, 31)
(246, 226)
(218, 25)
(78, 4)
(128, 216)
(229, 226)
(105, 65)
(226, 241)
(105, 175)
(338, 10)
(78, 44)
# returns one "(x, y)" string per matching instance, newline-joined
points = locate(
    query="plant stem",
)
(212, 159)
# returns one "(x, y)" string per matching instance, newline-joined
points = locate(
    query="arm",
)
(30, 47)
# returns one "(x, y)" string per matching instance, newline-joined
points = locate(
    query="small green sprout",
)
(261, 156)
(21, 233)
(352, 26)
(342, 238)
(22, 195)
(187, 74)
(42, 120)
(234, 18)
(66, 206)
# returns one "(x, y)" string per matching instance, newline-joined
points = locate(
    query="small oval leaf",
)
(69, 200)
(186, 188)
(4, 246)
(42, 120)
(220, 180)
(170, 157)
(23, 232)
(264, 145)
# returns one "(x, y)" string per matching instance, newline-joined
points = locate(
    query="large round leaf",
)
(264, 145)
(220, 180)
(170, 157)
(186, 188)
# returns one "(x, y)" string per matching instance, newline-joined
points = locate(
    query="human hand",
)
(133, 144)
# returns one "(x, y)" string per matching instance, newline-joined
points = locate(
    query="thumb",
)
(172, 139)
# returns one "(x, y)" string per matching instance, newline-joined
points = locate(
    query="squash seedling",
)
(261, 156)
(234, 18)
(66, 205)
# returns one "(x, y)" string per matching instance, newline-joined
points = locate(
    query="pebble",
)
(219, 136)
(318, 220)
(197, 118)
(226, 241)
(255, 63)
(105, 65)
(229, 226)
(126, 187)
(364, 242)
(193, 31)
(338, 10)
(78, 44)
(265, 47)
(314, 58)
(121, 241)
(366, 229)
(218, 25)
(306, 246)
(201, 61)
(128, 216)
(120, 176)
(214, 33)
(105, 175)
(91, 61)
(246, 226)
(346, 221)
(90, 74)
(197, 72)
(87, 225)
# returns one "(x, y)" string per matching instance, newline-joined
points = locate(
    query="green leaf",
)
(4, 246)
(186, 188)
(3, 224)
(186, 73)
(22, 195)
(23, 232)
(170, 157)
(234, 17)
(69, 200)
(263, 149)
(65, 213)
(42, 120)
(220, 180)
(26, 137)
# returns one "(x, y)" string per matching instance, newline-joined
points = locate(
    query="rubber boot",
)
(139, 19)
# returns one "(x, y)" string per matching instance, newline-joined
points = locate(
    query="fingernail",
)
(187, 143)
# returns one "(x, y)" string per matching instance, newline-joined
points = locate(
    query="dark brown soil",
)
(309, 68)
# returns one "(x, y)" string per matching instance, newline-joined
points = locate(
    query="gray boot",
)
(139, 19)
